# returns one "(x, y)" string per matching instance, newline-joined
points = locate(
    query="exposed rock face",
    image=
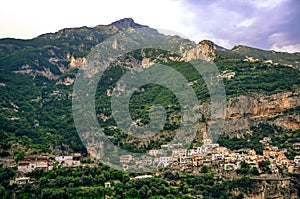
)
(46, 72)
(289, 122)
(205, 50)
(243, 111)
(77, 63)
(146, 62)
(26, 69)
(261, 105)
(67, 81)
(126, 23)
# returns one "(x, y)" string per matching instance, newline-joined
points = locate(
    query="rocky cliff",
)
(205, 50)
(244, 111)
(257, 106)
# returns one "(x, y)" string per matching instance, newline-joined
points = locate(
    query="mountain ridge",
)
(130, 23)
(52, 52)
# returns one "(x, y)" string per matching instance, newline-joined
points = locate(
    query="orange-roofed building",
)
(266, 152)
(259, 159)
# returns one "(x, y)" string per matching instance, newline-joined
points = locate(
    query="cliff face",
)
(243, 111)
(77, 63)
(205, 50)
(279, 189)
(289, 122)
(262, 105)
(126, 23)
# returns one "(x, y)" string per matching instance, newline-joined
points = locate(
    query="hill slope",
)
(37, 77)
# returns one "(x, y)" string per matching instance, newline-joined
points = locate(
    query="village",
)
(211, 156)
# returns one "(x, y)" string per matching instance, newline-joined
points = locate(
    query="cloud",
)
(286, 48)
(259, 23)
(281, 41)
(266, 4)
(246, 23)
(252, 23)
(32, 18)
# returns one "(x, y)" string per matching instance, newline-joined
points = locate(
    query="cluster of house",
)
(227, 74)
(21, 181)
(213, 154)
(179, 158)
(185, 159)
(30, 163)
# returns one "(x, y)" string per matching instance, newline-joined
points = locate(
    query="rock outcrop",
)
(291, 122)
(243, 111)
(77, 62)
(262, 105)
(126, 23)
(205, 50)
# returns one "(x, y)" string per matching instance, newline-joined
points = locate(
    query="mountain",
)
(37, 78)
(126, 23)
(254, 54)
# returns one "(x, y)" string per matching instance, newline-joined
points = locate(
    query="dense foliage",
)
(36, 114)
(89, 182)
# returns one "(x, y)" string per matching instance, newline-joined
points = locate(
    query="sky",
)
(266, 24)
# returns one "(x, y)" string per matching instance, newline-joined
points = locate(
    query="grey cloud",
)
(253, 23)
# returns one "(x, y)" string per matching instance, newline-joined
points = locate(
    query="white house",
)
(297, 160)
(125, 158)
(65, 160)
(26, 165)
(165, 161)
(198, 150)
(154, 152)
(179, 152)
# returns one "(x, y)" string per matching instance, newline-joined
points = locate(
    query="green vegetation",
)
(36, 115)
(246, 170)
(258, 77)
(279, 136)
(89, 182)
(240, 52)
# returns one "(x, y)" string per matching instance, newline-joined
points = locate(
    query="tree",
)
(19, 156)
(244, 165)
(171, 176)
(142, 193)
(37, 173)
(204, 169)
(2, 192)
(170, 196)
(264, 165)
(132, 193)
(254, 171)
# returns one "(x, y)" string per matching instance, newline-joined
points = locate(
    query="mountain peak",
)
(207, 42)
(239, 47)
(126, 23)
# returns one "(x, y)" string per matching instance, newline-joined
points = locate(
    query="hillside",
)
(37, 78)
